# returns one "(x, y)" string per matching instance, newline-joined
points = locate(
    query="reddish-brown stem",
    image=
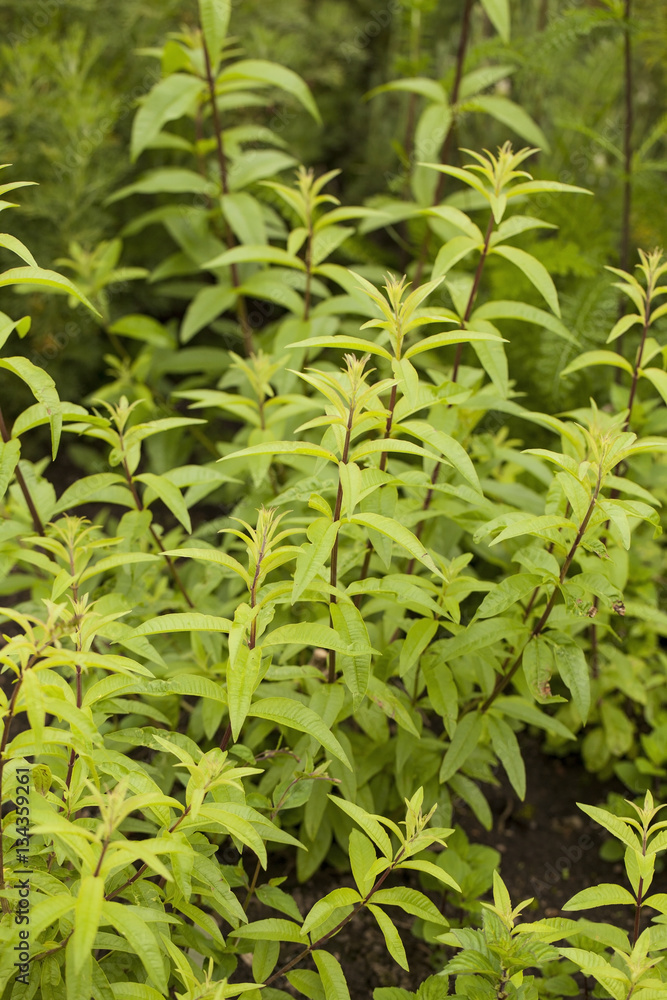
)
(3, 746)
(449, 136)
(638, 360)
(339, 926)
(224, 181)
(23, 486)
(455, 370)
(626, 210)
(383, 465)
(140, 871)
(156, 538)
(333, 573)
(504, 678)
(227, 735)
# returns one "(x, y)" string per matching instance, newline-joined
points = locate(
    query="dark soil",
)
(550, 851)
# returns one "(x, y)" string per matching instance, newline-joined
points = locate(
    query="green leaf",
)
(332, 976)
(391, 936)
(10, 452)
(411, 901)
(205, 307)
(466, 737)
(169, 494)
(536, 273)
(171, 98)
(368, 823)
(255, 254)
(273, 75)
(605, 894)
(398, 533)
(245, 217)
(294, 715)
(417, 639)
(362, 858)
(658, 379)
(215, 556)
(350, 625)
(283, 448)
(11, 243)
(616, 826)
(506, 746)
(505, 309)
(87, 915)
(452, 450)
(422, 85)
(479, 635)
(189, 622)
(573, 669)
(452, 252)
(324, 908)
(509, 113)
(130, 925)
(271, 929)
(214, 16)
(590, 358)
(519, 708)
(47, 279)
(312, 559)
(312, 634)
(538, 664)
(344, 343)
(242, 679)
(43, 389)
(435, 871)
(507, 593)
(498, 12)
(448, 338)
(168, 180)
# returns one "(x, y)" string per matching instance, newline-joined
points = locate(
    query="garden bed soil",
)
(550, 851)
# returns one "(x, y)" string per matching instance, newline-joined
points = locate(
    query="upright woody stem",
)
(222, 166)
(333, 574)
(455, 370)
(504, 679)
(23, 486)
(451, 131)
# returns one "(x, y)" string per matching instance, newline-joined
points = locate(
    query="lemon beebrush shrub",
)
(190, 703)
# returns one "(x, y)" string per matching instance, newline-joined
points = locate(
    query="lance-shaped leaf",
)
(402, 536)
(190, 621)
(44, 279)
(270, 74)
(283, 448)
(294, 715)
(535, 271)
(170, 98)
(43, 389)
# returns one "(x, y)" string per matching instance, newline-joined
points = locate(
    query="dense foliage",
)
(361, 483)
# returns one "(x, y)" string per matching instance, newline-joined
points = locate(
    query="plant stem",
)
(383, 465)
(156, 538)
(333, 574)
(4, 905)
(504, 679)
(626, 210)
(455, 370)
(224, 743)
(222, 166)
(638, 359)
(640, 896)
(140, 871)
(445, 149)
(23, 486)
(339, 926)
